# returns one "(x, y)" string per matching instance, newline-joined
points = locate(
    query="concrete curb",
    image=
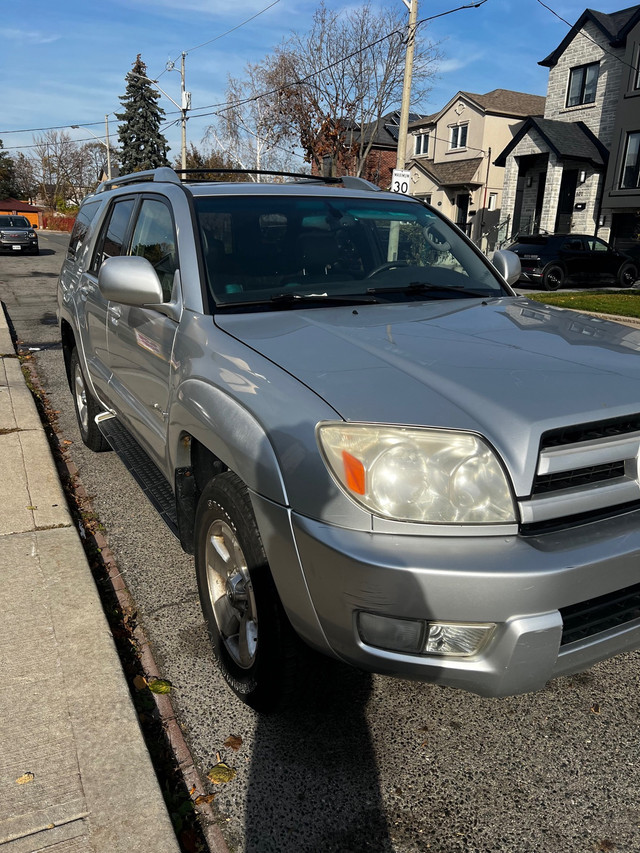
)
(75, 725)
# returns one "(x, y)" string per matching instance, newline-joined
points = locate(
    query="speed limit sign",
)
(400, 181)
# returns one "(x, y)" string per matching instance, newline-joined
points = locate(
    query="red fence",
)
(57, 223)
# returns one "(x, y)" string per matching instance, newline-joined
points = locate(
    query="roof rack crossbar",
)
(162, 173)
(231, 171)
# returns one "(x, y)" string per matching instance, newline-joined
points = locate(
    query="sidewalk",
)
(75, 774)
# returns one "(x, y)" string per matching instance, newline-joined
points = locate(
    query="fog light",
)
(456, 639)
(386, 632)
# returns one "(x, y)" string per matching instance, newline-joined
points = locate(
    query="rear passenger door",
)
(140, 340)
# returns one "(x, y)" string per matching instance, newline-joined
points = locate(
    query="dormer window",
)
(583, 82)
(458, 138)
(422, 144)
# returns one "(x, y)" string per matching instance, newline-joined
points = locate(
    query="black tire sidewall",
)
(91, 436)
(262, 686)
(553, 268)
(627, 265)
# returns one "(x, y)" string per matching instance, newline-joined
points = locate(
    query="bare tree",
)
(65, 170)
(338, 80)
(249, 131)
(26, 180)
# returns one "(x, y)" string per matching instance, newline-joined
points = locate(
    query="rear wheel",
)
(86, 407)
(553, 277)
(627, 274)
(256, 648)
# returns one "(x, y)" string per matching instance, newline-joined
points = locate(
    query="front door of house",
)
(462, 211)
(566, 200)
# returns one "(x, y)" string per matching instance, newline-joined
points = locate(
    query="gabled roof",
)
(504, 102)
(19, 206)
(567, 140)
(615, 28)
(454, 174)
(384, 132)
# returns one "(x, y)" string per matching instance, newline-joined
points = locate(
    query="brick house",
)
(576, 169)
(381, 159)
(450, 157)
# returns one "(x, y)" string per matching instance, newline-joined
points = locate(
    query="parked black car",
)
(17, 235)
(553, 260)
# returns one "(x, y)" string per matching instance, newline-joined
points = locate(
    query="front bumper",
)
(18, 246)
(519, 583)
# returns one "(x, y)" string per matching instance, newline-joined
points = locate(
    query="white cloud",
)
(28, 36)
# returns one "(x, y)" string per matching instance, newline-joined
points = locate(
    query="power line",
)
(225, 106)
(588, 37)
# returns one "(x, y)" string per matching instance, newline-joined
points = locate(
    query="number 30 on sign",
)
(400, 181)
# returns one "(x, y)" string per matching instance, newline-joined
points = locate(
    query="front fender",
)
(231, 432)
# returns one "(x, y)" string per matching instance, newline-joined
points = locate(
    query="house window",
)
(493, 201)
(458, 136)
(630, 178)
(422, 143)
(583, 82)
(636, 77)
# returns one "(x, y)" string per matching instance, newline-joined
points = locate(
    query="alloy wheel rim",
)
(231, 594)
(80, 392)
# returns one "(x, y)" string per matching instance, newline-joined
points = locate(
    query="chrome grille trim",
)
(592, 475)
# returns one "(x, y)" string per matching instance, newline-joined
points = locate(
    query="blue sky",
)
(64, 62)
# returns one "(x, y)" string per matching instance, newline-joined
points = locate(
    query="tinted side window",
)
(114, 232)
(154, 239)
(80, 229)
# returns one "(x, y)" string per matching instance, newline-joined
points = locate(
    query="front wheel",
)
(255, 646)
(553, 277)
(627, 274)
(86, 407)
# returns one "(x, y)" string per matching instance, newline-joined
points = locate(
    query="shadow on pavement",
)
(314, 783)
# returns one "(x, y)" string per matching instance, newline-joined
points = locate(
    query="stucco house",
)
(451, 155)
(577, 168)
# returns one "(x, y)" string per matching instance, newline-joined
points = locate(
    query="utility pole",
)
(106, 133)
(185, 104)
(412, 6)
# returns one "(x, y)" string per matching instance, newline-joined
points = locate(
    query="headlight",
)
(409, 474)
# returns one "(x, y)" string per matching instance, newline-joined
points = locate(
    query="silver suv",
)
(367, 440)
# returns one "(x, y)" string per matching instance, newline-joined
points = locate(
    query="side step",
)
(146, 474)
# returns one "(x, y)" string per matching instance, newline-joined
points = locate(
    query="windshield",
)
(14, 222)
(279, 250)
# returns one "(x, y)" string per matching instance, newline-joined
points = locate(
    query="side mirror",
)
(508, 265)
(130, 280)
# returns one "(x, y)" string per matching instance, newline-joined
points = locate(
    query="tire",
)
(553, 277)
(627, 274)
(86, 407)
(237, 594)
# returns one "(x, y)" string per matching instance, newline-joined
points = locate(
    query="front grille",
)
(581, 477)
(590, 432)
(584, 620)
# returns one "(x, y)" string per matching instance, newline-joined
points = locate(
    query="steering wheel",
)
(435, 239)
(388, 265)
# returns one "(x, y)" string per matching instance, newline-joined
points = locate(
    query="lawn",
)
(626, 303)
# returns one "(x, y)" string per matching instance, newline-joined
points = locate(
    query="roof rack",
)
(166, 174)
(162, 173)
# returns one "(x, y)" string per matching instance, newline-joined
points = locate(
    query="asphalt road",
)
(362, 763)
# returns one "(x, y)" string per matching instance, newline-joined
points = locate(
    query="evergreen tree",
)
(143, 146)
(7, 174)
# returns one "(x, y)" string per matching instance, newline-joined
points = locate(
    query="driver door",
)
(140, 340)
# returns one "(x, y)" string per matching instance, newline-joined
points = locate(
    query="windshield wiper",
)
(293, 299)
(425, 287)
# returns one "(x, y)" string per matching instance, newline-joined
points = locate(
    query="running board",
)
(146, 474)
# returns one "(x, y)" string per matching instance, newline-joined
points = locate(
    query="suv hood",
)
(508, 368)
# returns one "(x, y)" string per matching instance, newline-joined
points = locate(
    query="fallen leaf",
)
(27, 777)
(139, 682)
(32, 507)
(159, 685)
(595, 708)
(234, 742)
(204, 798)
(220, 773)
(192, 790)
(605, 846)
